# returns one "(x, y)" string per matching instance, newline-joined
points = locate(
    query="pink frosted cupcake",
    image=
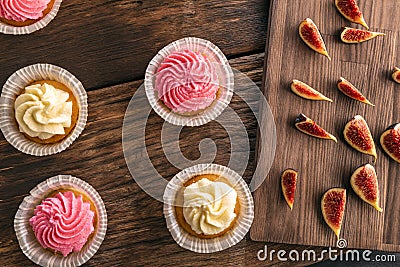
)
(63, 223)
(189, 82)
(26, 16)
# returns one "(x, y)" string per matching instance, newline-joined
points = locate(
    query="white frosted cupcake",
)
(26, 16)
(208, 208)
(189, 82)
(61, 223)
(44, 109)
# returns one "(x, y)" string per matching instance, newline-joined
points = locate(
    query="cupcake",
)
(62, 222)
(189, 82)
(26, 16)
(208, 208)
(44, 109)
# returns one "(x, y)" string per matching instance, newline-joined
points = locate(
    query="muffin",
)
(43, 109)
(26, 16)
(21, 13)
(46, 111)
(208, 208)
(189, 82)
(62, 222)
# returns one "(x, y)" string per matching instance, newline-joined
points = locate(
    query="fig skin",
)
(364, 182)
(350, 10)
(308, 126)
(333, 204)
(310, 34)
(355, 36)
(305, 91)
(390, 141)
(396, 75)
(288, 184)
(351, 91)
(357, 135)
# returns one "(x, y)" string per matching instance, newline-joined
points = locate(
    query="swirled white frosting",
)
(208, 207)
(43, 111)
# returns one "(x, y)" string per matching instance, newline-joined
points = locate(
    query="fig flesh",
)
(350, 10)
(333, 204)
(354, 36)
(288, 183)
(310, 34)
(364, 182)
(305, 91)
(351, 91)
(308, 126)
(357, 134)
(390, 141)
(396, 75)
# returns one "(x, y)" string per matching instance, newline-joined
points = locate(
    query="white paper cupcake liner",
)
(225, 75)
(26, 238)
(14, 86)
(233, 236)
(9, 29)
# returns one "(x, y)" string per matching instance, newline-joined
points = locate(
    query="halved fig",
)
(308, 126)
(304, 90)
(364, 182)
(288, 182)
(351, 91)
(333, 204)
(350, 10)
(357, 134)
(396, 75)
(390, 141)
(310, 34)
(354, 36)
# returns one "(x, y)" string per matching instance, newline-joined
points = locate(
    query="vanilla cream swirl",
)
(208, 207)
(187, 81)
(63, 223)
(43, 111)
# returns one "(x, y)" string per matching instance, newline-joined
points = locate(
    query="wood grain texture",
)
(323, 164)
(137, 233)
(109, 42)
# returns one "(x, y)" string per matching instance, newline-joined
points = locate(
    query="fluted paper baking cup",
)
(230, 238)
(224, 72)
(26, 238)
(14, 86)
(9, 29)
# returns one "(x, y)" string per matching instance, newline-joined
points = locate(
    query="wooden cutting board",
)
(323, 164)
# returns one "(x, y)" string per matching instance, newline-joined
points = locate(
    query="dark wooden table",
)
(107, 45)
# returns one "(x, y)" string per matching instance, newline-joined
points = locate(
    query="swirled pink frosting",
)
(187, 81)
(63, 222)
(21, 10)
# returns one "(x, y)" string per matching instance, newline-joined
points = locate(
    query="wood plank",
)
(324, 164)
(109, 42)
(137, 234)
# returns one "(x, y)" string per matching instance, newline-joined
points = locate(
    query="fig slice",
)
(310, 34)
(396, 75)
(288, 183)
(305, 91)
(354, 36)
(333, 204)
(390, 141)
(364, 182)
(350, 10)
(351, 91)
(308, 126)
(357, 134)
